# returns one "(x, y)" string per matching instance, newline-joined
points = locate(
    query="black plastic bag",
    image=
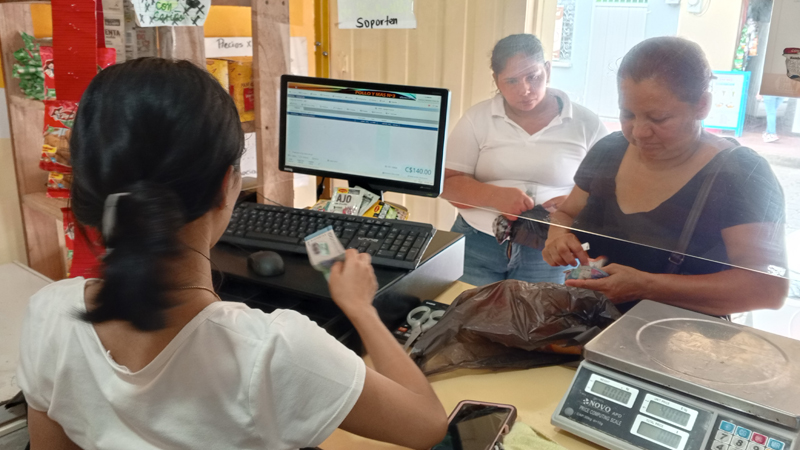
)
(514, 324)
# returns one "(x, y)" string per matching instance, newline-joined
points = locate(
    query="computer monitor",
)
(381, 137)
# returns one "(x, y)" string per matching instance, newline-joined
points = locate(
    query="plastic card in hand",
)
(324, 249)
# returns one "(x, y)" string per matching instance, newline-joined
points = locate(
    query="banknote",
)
(324, 249)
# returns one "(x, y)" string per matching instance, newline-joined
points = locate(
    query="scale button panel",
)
(741, 438)
(775, 444)
(723, 436)
(743, 432)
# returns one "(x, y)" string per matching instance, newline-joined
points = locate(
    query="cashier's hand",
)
(622, 284)
(352, 283)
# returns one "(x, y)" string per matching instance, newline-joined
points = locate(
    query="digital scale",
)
(663, 378)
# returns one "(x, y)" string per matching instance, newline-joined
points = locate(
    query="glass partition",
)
(667, 161)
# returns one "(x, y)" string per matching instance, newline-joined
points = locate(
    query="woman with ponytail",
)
(149, 357)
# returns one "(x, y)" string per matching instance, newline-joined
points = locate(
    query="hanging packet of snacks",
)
(105, 58)
(240, 77)
(29, 69)
(59, 184)
(218, 68)
(59, 116)
(84, 248)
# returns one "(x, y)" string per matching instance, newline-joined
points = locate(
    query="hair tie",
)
(110, 214)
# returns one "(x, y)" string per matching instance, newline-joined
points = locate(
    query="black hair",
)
(166, 133)
(515, 44)
(677, 63)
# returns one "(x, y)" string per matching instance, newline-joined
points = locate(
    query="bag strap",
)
(677, 257)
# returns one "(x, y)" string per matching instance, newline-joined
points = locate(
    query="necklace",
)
(200, 287)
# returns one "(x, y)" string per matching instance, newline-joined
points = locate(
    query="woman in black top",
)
(639, 186)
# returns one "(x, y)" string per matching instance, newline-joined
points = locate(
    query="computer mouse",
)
(266, 263)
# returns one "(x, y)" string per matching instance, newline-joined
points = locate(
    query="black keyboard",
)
(392, 243)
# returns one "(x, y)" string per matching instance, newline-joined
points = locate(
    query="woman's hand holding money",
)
(353, 285)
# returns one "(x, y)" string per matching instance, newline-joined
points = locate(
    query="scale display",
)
(606, 390)
(659, 435)
(612, 390)
(667, 413)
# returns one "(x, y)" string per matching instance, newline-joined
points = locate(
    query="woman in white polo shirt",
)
(511, 152)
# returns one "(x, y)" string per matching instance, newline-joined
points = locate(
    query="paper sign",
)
(375, 14)
(726, 100)
(171, 13)
(248, 163)
(223, 47)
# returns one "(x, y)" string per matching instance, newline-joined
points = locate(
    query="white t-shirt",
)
(233, 377)
(487, 144)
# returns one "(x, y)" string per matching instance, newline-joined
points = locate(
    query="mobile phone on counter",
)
(477, 426)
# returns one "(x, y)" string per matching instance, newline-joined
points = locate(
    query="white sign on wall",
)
(224, 47)
(374, 14)
(227, 47)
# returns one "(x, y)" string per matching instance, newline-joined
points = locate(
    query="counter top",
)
(535, 392)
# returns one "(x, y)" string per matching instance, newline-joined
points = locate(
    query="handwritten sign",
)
(223, 47)
(374, 14)
(171, 13)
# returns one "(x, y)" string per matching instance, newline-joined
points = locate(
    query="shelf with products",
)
(41, 215)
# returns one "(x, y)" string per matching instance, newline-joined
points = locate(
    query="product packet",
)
(28, 68)
(59, 184)
(346, 201)
(240, 76)
(105, 58)
(368, 199)
(218, 68)
(792, 56)
(59, 116)
(84, 248)
(321, 205)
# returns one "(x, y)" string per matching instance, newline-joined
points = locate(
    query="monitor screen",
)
(387, 136)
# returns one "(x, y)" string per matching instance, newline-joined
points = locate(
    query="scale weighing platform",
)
(663, 378)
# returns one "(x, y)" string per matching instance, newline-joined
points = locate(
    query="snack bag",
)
(47, 69)
(29, 68)
(240, 76)
(59, 185)
(59, 116)
(218, 68)
(105, 58)
(84, 248)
